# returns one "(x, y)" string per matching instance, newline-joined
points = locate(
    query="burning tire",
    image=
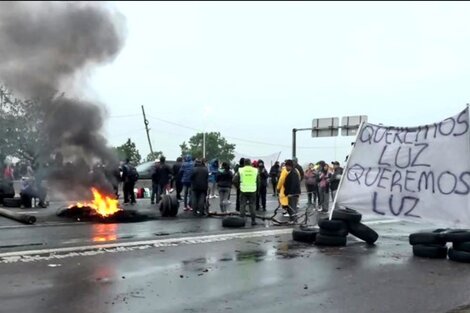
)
(12, 202)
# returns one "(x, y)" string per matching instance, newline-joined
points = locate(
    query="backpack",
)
(132, 173)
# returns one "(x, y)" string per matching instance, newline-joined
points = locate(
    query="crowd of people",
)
(195, 182)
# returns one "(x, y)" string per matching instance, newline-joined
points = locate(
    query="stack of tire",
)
(168, 206)
(433, 244)
(12, 202)
(334, 232)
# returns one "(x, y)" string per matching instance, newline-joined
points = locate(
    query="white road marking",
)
(88, 250)
(47, 254)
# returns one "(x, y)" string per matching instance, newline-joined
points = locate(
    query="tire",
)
(456, 235)
(363, 232)
(459, 256)
(461, 246)
(428, 238)
(332, 225)
(348, 215)
(174, 206)
(333, 241)
(12, 202)
(233, 222)
(307, 235)
(166, 206)
(342, 232)
(430, 251)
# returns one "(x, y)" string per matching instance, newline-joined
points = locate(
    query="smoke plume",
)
(46, 48)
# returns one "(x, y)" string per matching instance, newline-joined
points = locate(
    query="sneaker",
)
(229, 202)
(285, 214)
(216, 196)
(151, 202)
(253, 223)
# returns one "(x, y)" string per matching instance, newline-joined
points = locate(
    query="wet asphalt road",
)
(194, 265)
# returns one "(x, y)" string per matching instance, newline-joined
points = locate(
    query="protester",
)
(323, 186)
(311, 184)
(274, 173)
(335, 178)
(199, 186)
(224, 183)
(298, 167)
(185, 173)
(241, 164)
(247, 179)
(162, 178)
(155, 192)
(213, 170)
(263, 186)
(129, 178)
(177, 177)
(289, 189)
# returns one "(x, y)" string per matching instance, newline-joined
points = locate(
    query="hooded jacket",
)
(199, 177)
(213, 170)
(186, 169)
(224, 178)
(284, 185)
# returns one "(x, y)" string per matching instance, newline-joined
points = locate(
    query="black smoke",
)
(47, 49)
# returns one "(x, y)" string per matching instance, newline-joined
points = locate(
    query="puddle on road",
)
(460, 309)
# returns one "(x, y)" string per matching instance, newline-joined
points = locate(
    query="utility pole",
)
(146, 122)
(204, 144)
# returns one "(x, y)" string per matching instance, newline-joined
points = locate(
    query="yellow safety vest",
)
(248, 176)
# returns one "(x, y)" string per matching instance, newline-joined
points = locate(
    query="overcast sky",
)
(255, 70)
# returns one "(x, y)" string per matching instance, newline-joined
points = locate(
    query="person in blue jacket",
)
(186, 171)
(213, 171)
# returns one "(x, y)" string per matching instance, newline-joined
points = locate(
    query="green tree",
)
(216, 147)
(128, 151)
(152, 156)
(21, 124)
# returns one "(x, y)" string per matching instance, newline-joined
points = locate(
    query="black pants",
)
(313, 192)
(179, 188)
(249, 197)
(198, 201)
(128, 190)
(237, 203)
(261, 196)
(274, 183)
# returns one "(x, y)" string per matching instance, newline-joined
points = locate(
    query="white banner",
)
(419, 173)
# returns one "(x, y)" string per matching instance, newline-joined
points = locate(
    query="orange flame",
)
(102, 204)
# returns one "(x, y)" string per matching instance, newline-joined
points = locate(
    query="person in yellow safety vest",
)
(248, 180)
(288, 188)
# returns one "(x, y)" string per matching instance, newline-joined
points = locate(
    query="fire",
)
(102, 204)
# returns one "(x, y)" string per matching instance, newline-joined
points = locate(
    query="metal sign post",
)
(329, 127)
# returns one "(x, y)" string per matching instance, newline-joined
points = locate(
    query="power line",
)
(231, 137)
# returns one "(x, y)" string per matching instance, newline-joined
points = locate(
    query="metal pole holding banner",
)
(345, 169)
